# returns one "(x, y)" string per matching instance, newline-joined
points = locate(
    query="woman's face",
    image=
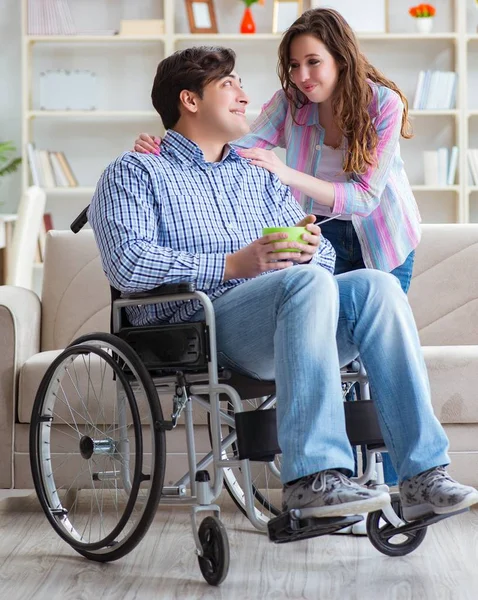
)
(312, 68)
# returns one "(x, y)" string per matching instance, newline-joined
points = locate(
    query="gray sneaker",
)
(331, 494)
(434, 492)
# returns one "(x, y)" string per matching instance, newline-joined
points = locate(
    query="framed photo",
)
(285, 13)
(201, 16)
(363, 17)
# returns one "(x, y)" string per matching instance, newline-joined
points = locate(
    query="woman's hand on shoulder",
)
(269, 160)
(147, 144)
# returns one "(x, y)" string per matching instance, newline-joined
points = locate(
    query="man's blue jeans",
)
(343, 238)
(298, 326)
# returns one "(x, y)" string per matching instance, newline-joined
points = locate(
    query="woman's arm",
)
(322, 191)
(362, 194)
(267, 131)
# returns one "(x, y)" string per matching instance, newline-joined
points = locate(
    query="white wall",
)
(10, 95)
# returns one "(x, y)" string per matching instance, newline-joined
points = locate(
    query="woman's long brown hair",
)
(353, 94)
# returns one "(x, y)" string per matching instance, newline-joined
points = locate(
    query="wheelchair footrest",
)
(411, 526)
(289, 527)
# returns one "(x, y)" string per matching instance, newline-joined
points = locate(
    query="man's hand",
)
(259, 257)
(312, 237)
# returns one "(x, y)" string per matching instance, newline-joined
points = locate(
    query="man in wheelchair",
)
(195, 213)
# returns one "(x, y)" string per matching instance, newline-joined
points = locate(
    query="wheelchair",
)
(98, 441)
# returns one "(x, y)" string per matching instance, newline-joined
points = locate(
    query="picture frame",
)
(201, 16)
(284, 14)
(363, 17)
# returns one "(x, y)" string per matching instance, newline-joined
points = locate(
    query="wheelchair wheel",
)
(381, 532)
(97, 450)
(266, 484)
(214, 563)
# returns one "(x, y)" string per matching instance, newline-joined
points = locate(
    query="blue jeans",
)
(343, 238)
(299, 326)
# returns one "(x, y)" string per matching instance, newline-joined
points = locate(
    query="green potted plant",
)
(8, 164)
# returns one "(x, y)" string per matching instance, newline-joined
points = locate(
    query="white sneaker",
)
(359, 528)
(331, 494)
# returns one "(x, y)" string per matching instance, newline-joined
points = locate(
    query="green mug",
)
(294, 235)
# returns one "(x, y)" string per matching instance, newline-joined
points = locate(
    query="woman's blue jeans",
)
(343, 238)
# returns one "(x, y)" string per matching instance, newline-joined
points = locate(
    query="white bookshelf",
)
(401, 53)
(91, 114)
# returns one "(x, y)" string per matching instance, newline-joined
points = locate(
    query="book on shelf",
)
(50, 169)
(440, 166)
(47, 222)
(50, 17)
(436, 90)
(472, 156)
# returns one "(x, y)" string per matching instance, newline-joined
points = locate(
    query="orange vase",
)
(248, 25)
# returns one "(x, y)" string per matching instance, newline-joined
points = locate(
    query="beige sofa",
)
(75, 300)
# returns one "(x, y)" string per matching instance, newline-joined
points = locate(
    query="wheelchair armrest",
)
(163, 290)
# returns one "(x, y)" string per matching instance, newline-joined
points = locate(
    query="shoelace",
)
(436, 476)
(321, 479)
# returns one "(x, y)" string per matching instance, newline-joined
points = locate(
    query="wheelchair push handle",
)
(80, 221)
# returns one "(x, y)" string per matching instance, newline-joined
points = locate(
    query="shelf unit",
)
(456, 39)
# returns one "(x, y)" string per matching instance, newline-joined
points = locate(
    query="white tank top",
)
(331, 169)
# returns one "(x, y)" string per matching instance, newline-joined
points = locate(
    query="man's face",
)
(222, 108)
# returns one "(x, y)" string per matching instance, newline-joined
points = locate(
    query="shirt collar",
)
(188, 152)
(307, 114)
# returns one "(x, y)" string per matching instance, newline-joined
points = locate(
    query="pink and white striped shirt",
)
(384, 212)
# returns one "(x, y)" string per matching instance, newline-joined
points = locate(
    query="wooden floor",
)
(37, 565)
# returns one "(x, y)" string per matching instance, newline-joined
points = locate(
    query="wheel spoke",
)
(111, 514)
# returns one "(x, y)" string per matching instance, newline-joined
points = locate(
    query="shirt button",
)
(317, 147)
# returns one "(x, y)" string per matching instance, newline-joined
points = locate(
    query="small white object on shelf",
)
(424, 25)
(141, 27)
(450, 180)
(430, 165)
(440, 167)
(67, 90)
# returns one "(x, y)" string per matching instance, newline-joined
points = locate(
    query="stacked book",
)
(440, 166)
(50, 169)
(473, 165)
(436, 90)
(50, 17)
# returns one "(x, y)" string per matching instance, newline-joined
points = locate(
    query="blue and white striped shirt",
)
(174, 217)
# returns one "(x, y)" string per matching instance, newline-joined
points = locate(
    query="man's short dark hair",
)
(191, 69)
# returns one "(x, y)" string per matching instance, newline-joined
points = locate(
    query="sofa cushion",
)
(444, 289)
(453, 374)
(30, 377)
(35, 368)
(75, 294)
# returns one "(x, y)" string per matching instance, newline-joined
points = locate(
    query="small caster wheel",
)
(214, 563)
(387, 538)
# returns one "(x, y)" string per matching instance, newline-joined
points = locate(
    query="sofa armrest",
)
(24, 308)
(20, 315)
